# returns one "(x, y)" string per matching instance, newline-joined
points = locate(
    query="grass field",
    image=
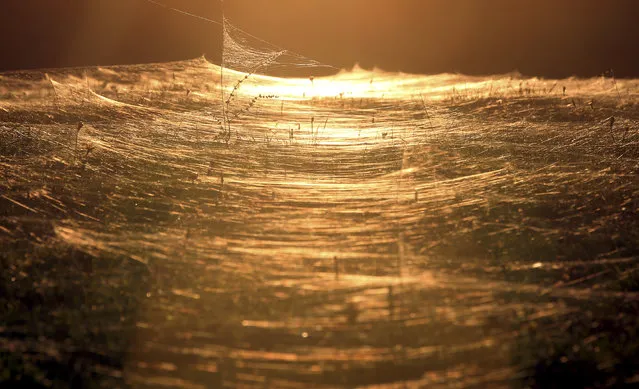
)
(368, 230)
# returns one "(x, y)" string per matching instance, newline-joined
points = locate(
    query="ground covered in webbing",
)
(366, 230)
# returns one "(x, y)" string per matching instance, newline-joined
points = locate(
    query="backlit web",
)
(277, 232)
(245, 59)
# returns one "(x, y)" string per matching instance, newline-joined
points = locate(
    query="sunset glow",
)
(273, 194)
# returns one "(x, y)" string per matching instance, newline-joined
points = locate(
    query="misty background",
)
(535, 37)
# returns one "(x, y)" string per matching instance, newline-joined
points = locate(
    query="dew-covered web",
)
(220, 227)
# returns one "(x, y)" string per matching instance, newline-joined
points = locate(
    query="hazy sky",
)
(537, 37)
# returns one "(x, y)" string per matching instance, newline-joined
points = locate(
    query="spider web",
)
(245, 59)
(401, 235)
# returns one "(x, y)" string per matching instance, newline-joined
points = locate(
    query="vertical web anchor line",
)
(222, 65)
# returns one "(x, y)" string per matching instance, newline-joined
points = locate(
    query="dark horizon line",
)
(515, 72)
